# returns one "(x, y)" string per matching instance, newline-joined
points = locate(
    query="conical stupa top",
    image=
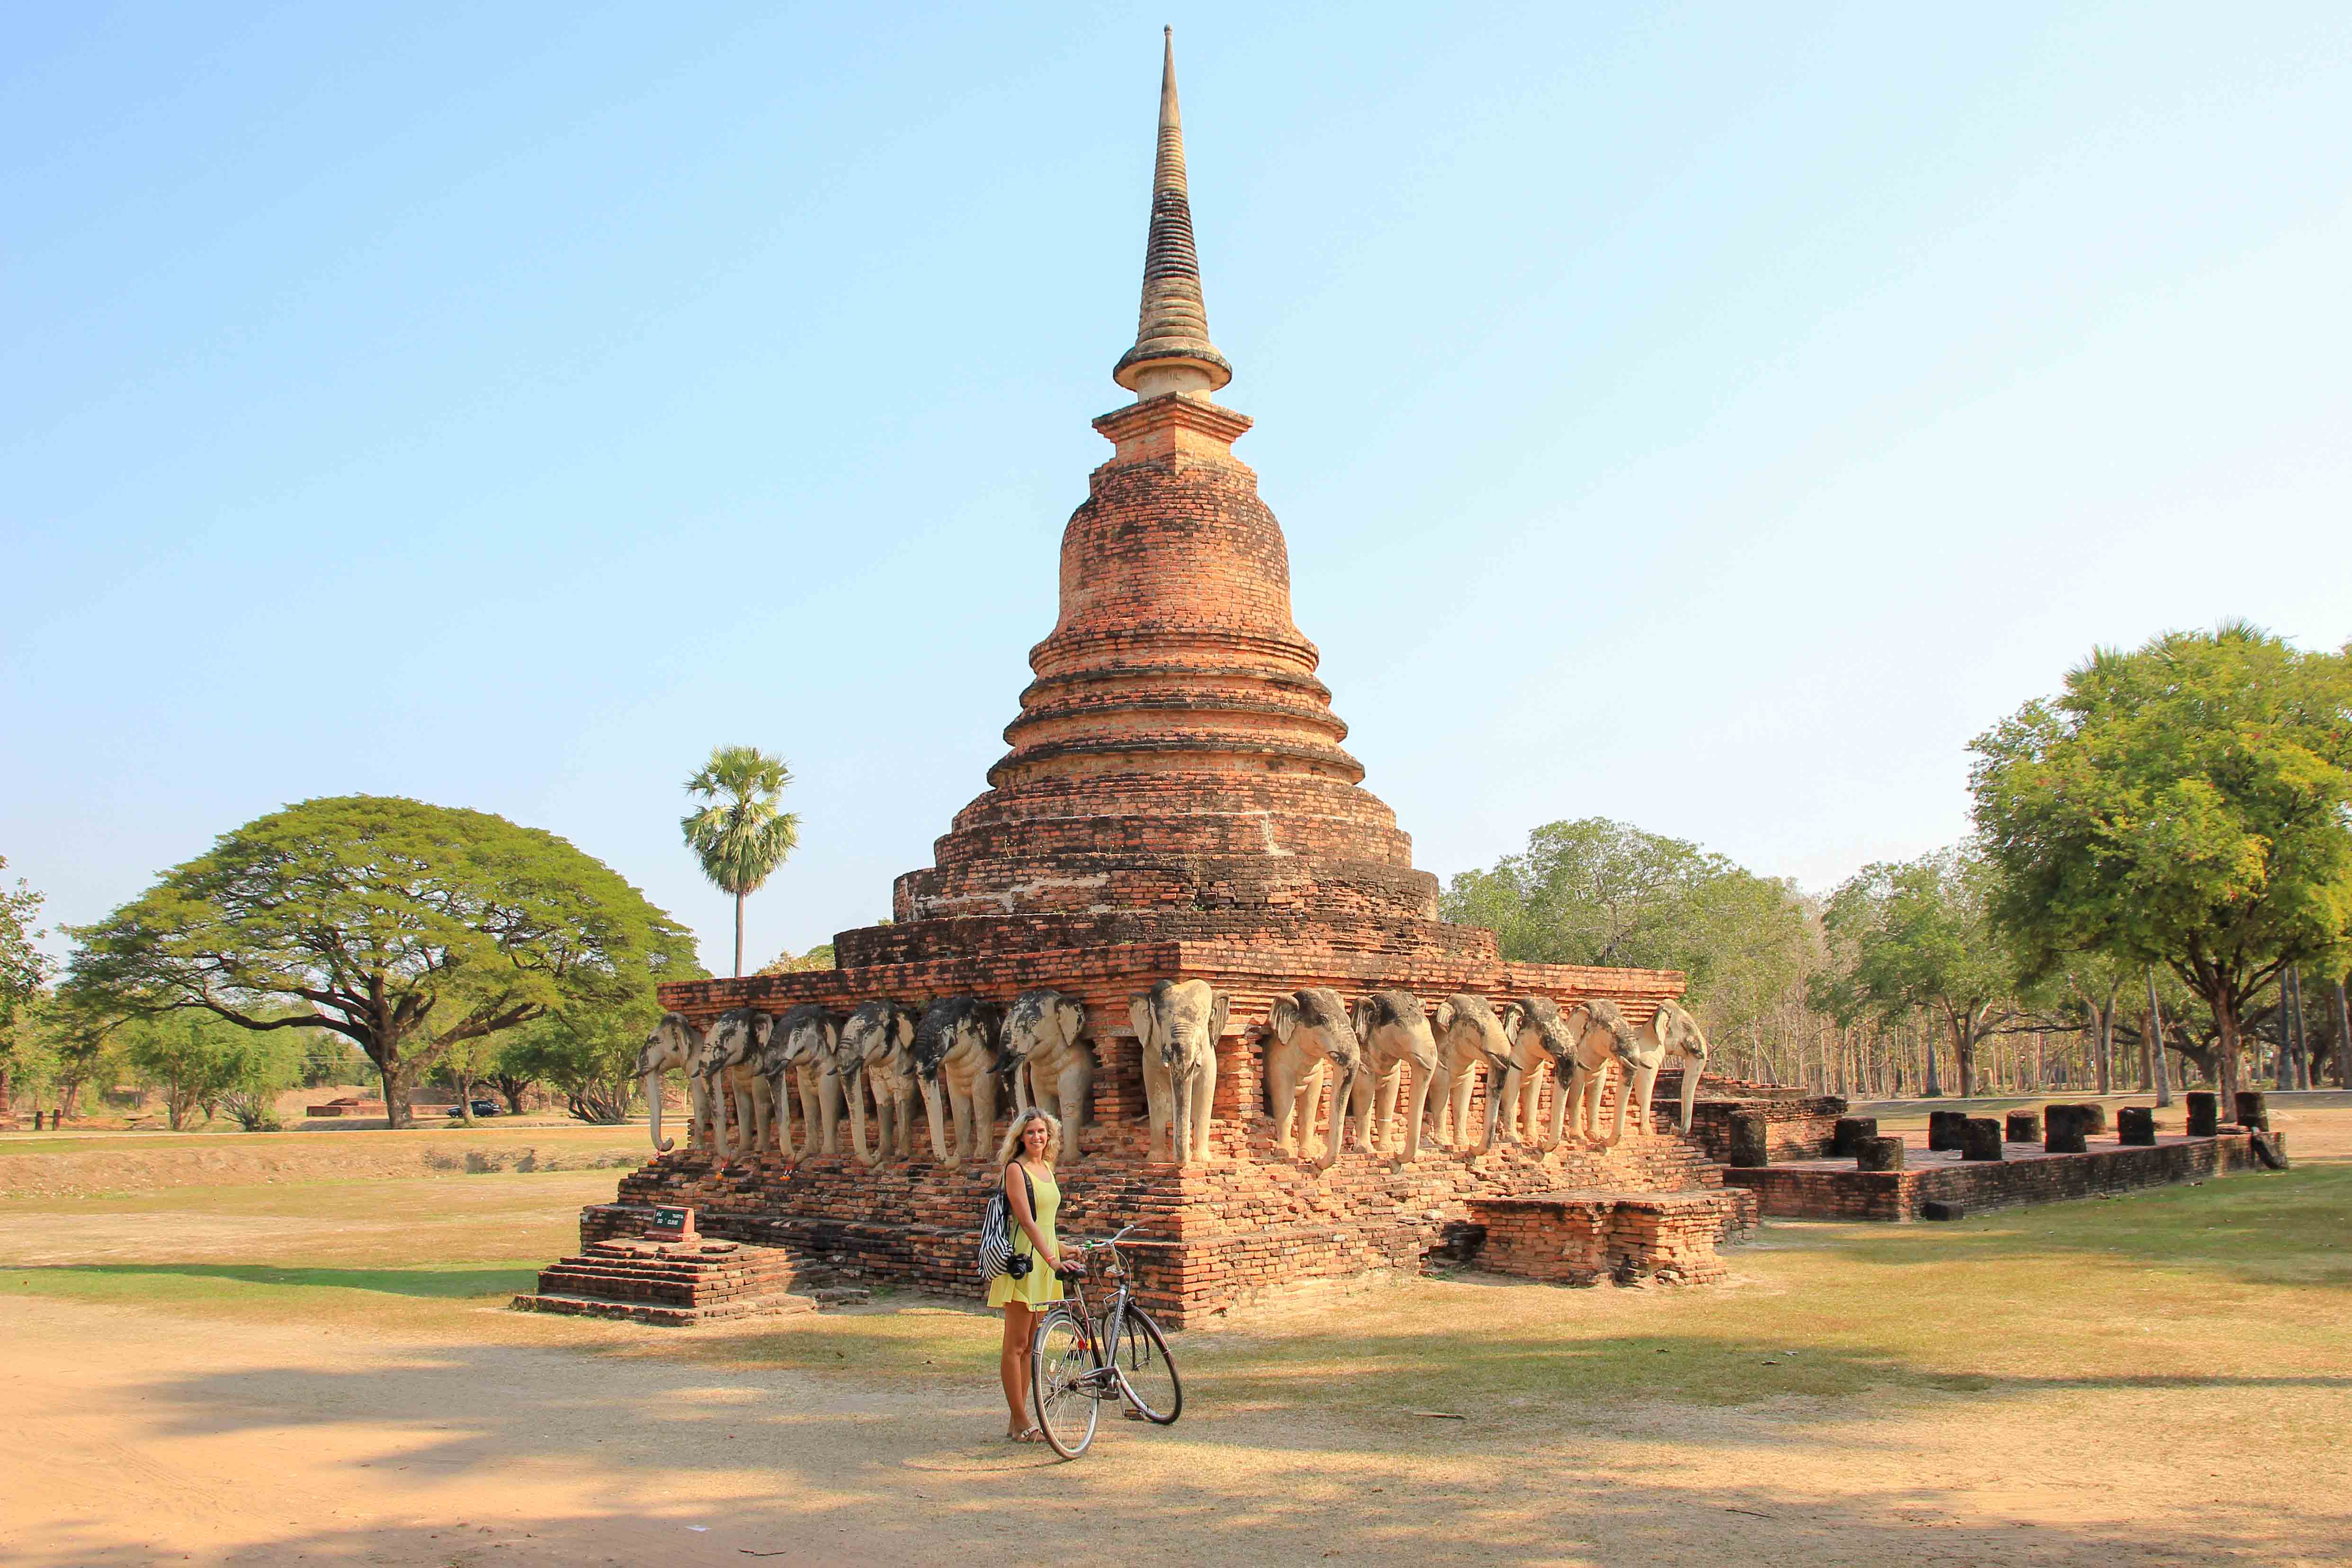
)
(1171, 352)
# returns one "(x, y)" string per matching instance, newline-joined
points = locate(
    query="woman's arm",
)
(1016, 1194)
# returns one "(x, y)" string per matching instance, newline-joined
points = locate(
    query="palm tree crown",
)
(738, 834)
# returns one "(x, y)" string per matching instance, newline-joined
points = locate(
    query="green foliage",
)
(24, 968)
(200, 1060)
(818, 957)
(407, 929)
(1600, 892)
(2188, 805)
(1919, 935)
(589, 1057)
(740, 832)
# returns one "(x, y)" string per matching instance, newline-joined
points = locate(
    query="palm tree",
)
(739, 835)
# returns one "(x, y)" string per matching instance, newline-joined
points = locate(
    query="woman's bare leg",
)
(1019, 1321)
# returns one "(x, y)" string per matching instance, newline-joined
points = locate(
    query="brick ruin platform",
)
(1175, 804)
(676, 1284)
(2026, 1173)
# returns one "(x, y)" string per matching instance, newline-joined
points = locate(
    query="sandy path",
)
(130, 1436)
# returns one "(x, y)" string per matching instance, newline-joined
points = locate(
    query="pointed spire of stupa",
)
(1171, 352)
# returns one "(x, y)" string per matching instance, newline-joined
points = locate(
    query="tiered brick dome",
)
(1176, 770)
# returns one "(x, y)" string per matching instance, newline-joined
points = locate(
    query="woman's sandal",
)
(1030, 1434)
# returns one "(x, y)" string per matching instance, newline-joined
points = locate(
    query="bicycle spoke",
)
(1061, 1384)
(1145, 1372)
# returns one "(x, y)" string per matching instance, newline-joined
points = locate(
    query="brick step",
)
(774, 1304)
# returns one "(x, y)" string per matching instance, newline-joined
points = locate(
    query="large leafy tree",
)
(2188, 805)
(1602, 892)
(23, 971)
(740, 831)
(1918, 935)
(407, 929)
(590, 1055)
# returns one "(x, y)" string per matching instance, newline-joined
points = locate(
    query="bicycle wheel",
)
(1146, 1374)
(1062, 1383)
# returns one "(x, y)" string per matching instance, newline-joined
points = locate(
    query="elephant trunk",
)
(853, 1085)
(1421, 1078)
(936, 1112)
(653, 1103)
(714, 1094)
(1341, 1082)
(1690, 1090)
(1180, 1089)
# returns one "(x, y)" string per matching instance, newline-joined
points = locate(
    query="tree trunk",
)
(2343, 1038)
(739, 936)
(1930, 1088)
(2294, 1017)
(2105, 1065)
(2155, 1037)
(395, 1075)
(2225, 1021)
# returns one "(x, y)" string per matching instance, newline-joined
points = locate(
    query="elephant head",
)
(1315, 1023)
(1681, 1039)
(1038, 1021)
(1467, 1022)
(673, 1043)
(880, 1038)
(1180, 1023)
(803, 1035)
(948, 1026)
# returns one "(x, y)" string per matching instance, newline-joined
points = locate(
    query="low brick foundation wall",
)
(1834, 1189)
(1797, 1126)
(1583, 1239)
(673, 1283)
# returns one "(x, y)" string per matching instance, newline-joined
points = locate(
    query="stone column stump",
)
(2090, 1114)
(2254, 1110)
(1980, 1139)
(1879, 1155)
(1752, 1140)
(2135, 1124)
(2025, 1127)
(1846, 1141)
(2204, 1113)
(2064, 1131)
(1944, 1129)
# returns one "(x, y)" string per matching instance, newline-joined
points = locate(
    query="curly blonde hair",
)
(1011, 1151)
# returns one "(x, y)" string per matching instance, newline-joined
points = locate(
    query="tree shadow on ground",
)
(137, 1281)
(1255, 1472)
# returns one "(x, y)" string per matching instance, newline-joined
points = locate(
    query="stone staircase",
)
(680, 1284)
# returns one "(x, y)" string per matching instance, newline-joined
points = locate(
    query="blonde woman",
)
(1031, 1147)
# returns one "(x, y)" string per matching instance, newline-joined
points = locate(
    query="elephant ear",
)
(1361, 1016)
(1284, 1017)
(1217, 1013)
(1072, 1014)
(1139, 1014)
(1442, 1019)
(1513, 1017)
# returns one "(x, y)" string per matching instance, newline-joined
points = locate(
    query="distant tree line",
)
(2159, 890)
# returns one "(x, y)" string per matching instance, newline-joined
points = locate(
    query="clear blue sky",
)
(1710, 417)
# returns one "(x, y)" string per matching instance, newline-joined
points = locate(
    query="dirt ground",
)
(320, 1374)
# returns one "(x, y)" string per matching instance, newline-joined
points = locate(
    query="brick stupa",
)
(1176, 804)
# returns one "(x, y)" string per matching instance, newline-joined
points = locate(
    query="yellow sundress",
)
(1041, 1286)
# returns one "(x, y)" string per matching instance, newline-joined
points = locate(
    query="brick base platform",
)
(676, 1284)
(1582, 1238)
(1212, 1237)
(1834, 1189)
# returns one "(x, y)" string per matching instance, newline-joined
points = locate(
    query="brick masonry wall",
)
(1835, 1190)
(1796, 1129)
(1576, 1239)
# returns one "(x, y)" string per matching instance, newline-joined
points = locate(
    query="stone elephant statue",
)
(1471, 1034)
(1402, 1056)
(1044, 1057)
(1602, 1036)
(1311, 1034)
(674, 1044)
(955, 1067)
(1179, 1024)
(880, 1037)
(800, 1055)
(1540, 1037)
(729, 1070)
(1672, 1036)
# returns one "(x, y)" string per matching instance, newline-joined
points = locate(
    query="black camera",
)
(1018, 1264)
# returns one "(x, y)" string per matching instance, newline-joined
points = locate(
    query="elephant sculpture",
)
(729, 1070)
(674, 1044)
(1312, 1037)
(1042, 1039)
(1401, 1054)
(1673, 1036)
(955, 1066)
(801, 1054)
(1179, 1023)
(1539, 1034)
(1469, 1034)
(880, 1038)
(1602, 1036)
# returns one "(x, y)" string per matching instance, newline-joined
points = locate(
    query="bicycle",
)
(1079, 1358)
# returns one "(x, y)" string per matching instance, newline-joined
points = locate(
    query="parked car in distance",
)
(481, 1107)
